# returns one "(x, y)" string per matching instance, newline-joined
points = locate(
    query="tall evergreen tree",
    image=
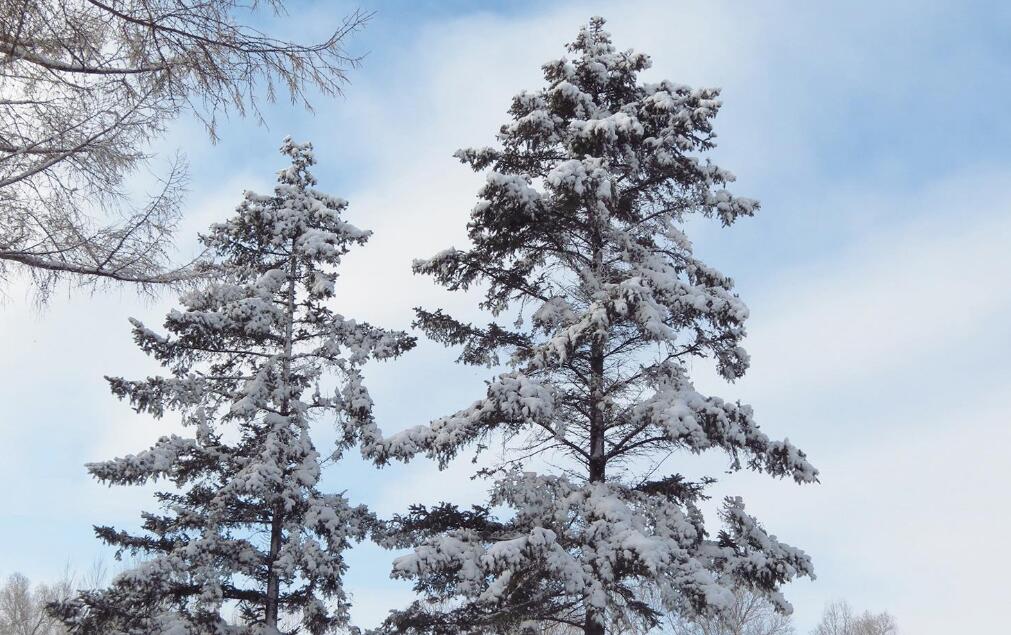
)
(579, 230)
(247, 522)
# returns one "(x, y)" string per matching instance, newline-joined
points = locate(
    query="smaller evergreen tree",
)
(247, 522)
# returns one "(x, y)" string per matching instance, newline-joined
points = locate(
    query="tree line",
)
(23, 612)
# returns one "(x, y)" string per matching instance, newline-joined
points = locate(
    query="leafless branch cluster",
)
(840, 619)
(750, 614)
(23, 606)
(85, 85)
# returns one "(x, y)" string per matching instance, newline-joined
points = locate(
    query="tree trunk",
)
(598, 462)
(591, 627)
(272, 608)
(273, 581)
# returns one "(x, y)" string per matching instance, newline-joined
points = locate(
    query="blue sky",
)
(877, 137)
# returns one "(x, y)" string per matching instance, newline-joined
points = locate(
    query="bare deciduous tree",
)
(85, 85)
(840, 619)
(22, 607)
(751, 614)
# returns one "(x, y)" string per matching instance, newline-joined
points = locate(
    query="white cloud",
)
(899, 297)
(904, 522)
(880, 362)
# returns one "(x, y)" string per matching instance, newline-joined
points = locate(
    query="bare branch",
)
(86, 85)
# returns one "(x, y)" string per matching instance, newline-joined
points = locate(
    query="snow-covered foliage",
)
(579, 230)
(246, 355)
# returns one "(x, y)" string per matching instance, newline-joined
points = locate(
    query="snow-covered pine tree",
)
(579, 229)
(246, 356)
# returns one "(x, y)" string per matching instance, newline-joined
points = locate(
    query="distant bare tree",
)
(85, 85)
(840, 619)
(22, 607)
(751, 614)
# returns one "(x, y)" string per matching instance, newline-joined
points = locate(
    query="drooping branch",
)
(86, 85)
